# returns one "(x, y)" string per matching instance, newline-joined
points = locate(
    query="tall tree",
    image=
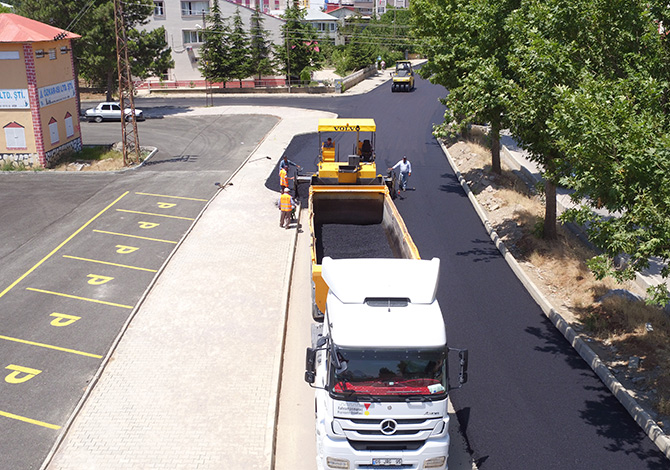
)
(300, 47)
(467, 47)
(614, 128)
(96, 50)
(238, 43)
(260, 46)
(215, 65)
(557, 44)
(550, 41)
(361, 50)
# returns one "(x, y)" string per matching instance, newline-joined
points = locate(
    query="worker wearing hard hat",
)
(286, 205)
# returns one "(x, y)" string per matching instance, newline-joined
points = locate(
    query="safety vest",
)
(285, 203)
(283, 180)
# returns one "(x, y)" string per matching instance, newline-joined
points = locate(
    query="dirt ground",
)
(108, 164)
(639, 358)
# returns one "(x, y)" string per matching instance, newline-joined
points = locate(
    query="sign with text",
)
(56, 93)
(15, 99)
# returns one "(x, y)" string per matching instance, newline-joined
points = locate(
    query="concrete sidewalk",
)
(194, 379)
(193, 382)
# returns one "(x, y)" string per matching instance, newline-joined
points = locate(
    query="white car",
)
(110, 112)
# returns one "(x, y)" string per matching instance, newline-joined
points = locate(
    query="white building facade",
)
(184, 22)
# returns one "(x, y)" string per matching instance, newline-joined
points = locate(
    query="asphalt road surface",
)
(531, 401)
(79, 251)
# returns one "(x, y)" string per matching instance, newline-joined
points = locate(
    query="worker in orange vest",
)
(286, 206)
(283, 179)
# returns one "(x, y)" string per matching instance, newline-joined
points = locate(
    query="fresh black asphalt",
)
(531, 402)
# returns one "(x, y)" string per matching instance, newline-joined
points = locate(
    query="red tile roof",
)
(15, 28)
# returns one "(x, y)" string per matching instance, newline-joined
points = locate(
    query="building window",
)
(53, 131)
(69, 127)
(64, 50)
(195, 36)
(52, 54)
(194, 8)
(15, 136)
(39, 53)
(159, 8)
(9, 55)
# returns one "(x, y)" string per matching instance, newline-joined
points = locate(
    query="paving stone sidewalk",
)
(193, 382)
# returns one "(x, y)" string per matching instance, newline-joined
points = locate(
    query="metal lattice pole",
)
(129, 139)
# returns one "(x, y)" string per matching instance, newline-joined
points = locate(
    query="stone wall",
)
(55, 155)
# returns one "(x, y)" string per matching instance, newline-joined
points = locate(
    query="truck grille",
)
(381, 445)
(400, 434)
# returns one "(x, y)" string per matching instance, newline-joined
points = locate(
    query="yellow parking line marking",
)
(49, 346)
(136, 236)
(29, 420)
(172, 197)
(13, 284)
(110, 264)
(157, 215)
(79, 298)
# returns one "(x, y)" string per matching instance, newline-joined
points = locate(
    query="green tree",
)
(614, 128)
(96, 50)
(393, 32)
(261, 62)
(238, 49)
(300, 46)
(361, 50)
(467, 47)
(557, 44)
(148, 52)
(215, 65)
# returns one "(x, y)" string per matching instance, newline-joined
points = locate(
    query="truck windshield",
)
(386, 373)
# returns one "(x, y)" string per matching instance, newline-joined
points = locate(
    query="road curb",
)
(641, 417)
(276, 380)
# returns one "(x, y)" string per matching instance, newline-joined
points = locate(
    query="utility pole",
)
(130, 141)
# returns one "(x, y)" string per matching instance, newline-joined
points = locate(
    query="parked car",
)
(110, 112)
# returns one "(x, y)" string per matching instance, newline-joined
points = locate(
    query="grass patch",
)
(97, 153)
(95, 158)
(18, 166)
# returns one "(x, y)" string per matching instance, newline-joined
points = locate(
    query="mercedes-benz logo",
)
(388, 427)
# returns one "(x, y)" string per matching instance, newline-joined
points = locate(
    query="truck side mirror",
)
(310, 361)
(463, 366)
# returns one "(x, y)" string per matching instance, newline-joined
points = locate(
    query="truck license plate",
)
(387, 462)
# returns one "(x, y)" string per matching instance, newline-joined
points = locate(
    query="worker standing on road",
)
(405, 169)
(284, 167)
(285, 163)
(283, 179)
(286, 205)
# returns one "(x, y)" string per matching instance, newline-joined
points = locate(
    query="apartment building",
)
(184, 22)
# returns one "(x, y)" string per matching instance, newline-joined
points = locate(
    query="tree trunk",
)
(110, 85)
(549, 231)
(495, 147)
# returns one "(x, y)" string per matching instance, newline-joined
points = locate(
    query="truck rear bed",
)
(354, 222)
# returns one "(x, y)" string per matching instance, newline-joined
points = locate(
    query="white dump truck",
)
(379, 364)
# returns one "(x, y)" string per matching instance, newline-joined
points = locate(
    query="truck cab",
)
(379, 364)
